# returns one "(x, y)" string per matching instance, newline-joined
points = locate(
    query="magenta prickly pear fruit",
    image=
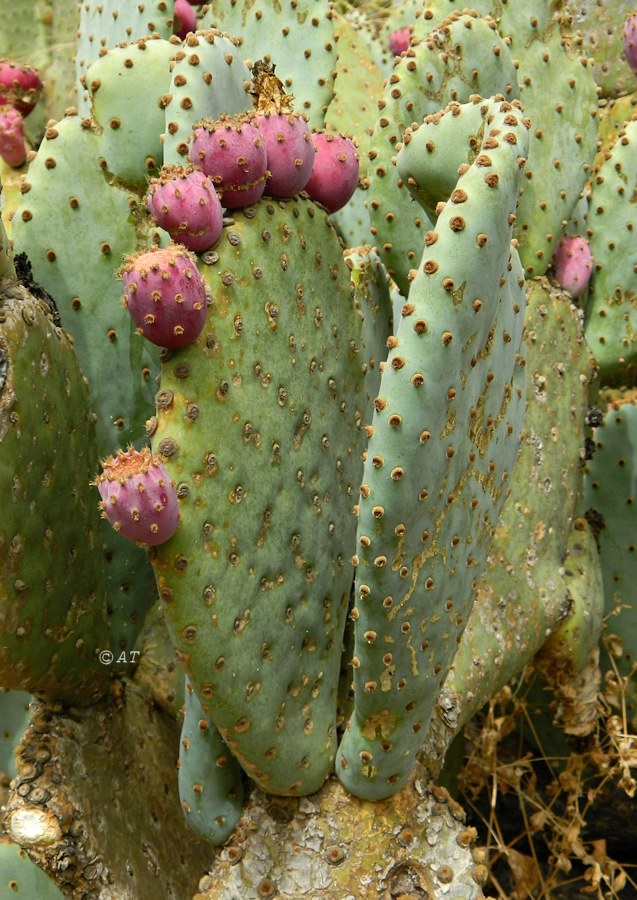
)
(232, 152)
(399, 40)
(165, 295)
(138, 497)
(335, 174)
(290, 152)
(184, 18)
(19, 86)
(287, 137)
(630, 40)
(184, 202)
(573, 263)
(13, 148)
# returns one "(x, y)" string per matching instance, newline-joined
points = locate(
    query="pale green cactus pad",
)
(105, 25)
(441, 447)
(297, 36)
(128, 87)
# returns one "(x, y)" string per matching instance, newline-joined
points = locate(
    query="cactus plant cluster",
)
(341, 392)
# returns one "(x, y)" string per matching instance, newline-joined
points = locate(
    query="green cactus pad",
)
(52, 584)
(432, 152)
(601, 25)
(157, 672)
(611, 313)
(564, 126)
(209, 79)
(258, 423)
(297, 36)
(353, 109)
(128, 87)
(210, 785)
(91, 214)
(14, 716)
(442, 444)
(611, 489)
(523, 593)
(22, 878)
(613, 116)
(569, 660)
(429, 75)
(104, 25)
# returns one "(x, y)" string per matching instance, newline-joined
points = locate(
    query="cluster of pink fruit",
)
(19, 91)
(235, 160)
(232, 162)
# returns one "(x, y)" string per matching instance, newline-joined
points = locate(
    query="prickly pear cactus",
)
(317, 392)
(442, 443)
(258, 423)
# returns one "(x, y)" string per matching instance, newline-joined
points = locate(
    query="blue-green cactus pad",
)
(209, 777)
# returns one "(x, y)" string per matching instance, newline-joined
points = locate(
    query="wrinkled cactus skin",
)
(389, 487)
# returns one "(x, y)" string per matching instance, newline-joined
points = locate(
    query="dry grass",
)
(535, 807)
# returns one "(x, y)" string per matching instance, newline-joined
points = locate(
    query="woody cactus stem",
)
(432, 489)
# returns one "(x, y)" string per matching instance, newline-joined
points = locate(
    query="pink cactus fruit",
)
(165, 295)
(184, 202)
(335, 174)
(288, 143)
(232, 152)
(573, 263)
(399, 40)
(138, 497)
(13, 148)
(630, 40)
(184, 18)
(287, 137)
(20, 86)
